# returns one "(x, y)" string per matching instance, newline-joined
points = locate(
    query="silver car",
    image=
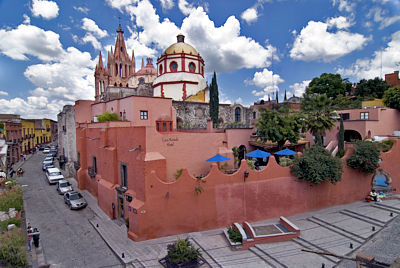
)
(74, 200)
(63, 186)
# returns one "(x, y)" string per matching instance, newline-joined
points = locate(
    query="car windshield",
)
(64, 184)
(55, 173)
(75, 196)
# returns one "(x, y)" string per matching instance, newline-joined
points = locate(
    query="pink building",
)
(364, 123)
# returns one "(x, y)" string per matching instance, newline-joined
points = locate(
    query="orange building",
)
(393, 79)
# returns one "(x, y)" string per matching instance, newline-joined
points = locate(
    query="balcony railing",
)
(91, 172)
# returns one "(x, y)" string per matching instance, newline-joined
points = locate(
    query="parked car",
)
(46, 150)
(52, 153)
(42, 147)
(74, 200)
(48, 166)
(54, 175)
(46, 163)
(63, 186)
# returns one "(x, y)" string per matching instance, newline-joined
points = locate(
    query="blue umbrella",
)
(258, 154)
(286, 152)
(218, 158)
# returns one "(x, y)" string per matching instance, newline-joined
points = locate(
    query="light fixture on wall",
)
(135, 149)
(246, 174)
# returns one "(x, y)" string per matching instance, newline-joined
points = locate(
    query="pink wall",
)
(83, 111)
(173, 208)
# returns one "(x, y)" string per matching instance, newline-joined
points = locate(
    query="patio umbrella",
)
(286, 152)
(258, 154)
(218, 158)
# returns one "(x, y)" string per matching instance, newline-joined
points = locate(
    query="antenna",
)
(381, 65)
(272, 72)
(119, 20)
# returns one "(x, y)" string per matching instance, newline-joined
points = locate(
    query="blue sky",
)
(48, 49)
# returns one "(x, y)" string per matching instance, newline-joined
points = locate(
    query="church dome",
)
(180, 47)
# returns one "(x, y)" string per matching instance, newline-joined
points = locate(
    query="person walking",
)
(36, 235)
(30, 237)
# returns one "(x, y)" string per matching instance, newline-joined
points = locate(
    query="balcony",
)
(91, 172)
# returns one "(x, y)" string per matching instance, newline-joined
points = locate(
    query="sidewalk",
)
(341, 230)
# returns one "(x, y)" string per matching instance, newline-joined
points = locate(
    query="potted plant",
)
(182, 254)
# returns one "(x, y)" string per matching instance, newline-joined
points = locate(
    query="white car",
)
(63, 186)
(54, 175)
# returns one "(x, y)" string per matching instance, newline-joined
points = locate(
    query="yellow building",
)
(28, 135)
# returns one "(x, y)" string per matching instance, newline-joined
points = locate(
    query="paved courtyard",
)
(80, 238)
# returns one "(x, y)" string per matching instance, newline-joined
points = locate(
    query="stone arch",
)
(242, 152)
(350, 135)
(381, 181)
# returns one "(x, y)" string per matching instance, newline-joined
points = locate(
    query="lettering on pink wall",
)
(170, 141)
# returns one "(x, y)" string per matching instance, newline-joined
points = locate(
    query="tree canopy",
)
(317, 165)
(319, 114)
(214, 100)
(330, 84)
(279, 126)
(391, 98)
(365, 157)
(374, 88)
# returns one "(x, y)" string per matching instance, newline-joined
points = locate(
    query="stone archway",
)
(381, 181)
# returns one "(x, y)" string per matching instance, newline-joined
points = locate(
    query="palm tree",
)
(319, 114)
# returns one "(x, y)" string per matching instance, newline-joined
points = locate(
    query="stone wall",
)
(113, 93)
(195, 114)
(67, 138)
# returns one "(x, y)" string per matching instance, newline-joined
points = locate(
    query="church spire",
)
(120, 52)
(100, 65)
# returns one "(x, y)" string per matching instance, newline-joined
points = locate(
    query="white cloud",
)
(344, 5)
(223, 48)
(315, 42)
(30, 40)
(27, 19)
(369, 68)
(64, 76)
(187, 8)
(46, 9)
(84, 10)
(141, 50)
(339, 22)
(89, 38)
(249, 15)
(300, 88)
(267, 81)
(91, 26)
(167, 4)
(122, 5)
(4, 93)
(381, 17)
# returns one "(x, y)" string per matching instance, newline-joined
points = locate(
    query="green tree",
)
(365, 157)
(279, 126)
(182, 253)
(374, 88)
(317, 165)
(277, 96)
(285, 98)
(391, 98)
(214, 100)
(343, 103)
(319, 114)
(330, 84)
(340, 152)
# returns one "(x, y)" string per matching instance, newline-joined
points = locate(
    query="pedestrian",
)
(30, 237)
(12, 171)
(36, 238)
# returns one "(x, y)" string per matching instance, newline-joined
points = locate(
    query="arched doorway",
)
(381, 182)
(242, 153)
(350, 135)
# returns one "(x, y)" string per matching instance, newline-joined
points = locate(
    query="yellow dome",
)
(180, 47)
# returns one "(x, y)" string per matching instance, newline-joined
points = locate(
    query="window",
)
(237, 114)
(79, 158)
(161, 69)
(192, 67)
(345, 116)
(144, 115)
(124, 175)
(164, 126)
(173, 66)
(254, 115)
(94, 164)
(364, 116)
(124, 115)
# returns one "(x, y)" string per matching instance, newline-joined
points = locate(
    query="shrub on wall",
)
(234, 235)
(11, 199)
(365, 157)
(12, 249)
(285, 161)
(317, 165)
(386, 145)
(108, 117)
